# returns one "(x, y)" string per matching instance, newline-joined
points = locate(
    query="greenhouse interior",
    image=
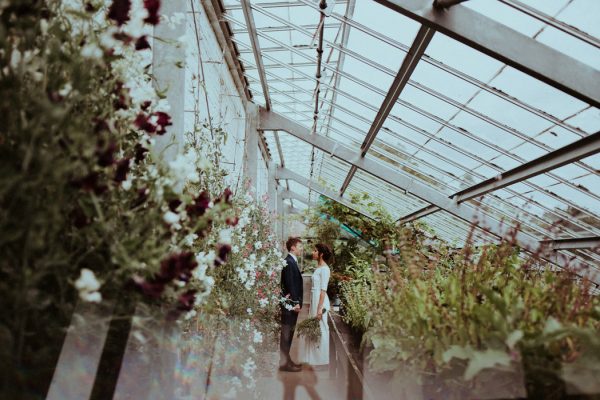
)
(300, 199)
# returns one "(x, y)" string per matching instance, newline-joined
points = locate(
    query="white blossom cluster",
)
(88, 286)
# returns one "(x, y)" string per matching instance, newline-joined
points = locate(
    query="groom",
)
(291, 287)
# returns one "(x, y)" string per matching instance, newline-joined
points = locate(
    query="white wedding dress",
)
(317, 353)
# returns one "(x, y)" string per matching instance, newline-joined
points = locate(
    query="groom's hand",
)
(297, 308)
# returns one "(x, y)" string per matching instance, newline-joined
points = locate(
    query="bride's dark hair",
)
(325, 251)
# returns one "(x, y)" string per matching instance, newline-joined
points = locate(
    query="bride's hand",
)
(320, 315)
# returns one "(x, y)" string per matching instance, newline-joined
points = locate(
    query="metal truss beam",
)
(276, 4)
(284, 173)
(286, 28)
(506, 45)
(290, 194)
(592, 243)
(565, 155)
(223, 33)
(273, 121)
(251, 26)
(409, 64)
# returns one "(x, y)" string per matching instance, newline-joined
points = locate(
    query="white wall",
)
(224, 102)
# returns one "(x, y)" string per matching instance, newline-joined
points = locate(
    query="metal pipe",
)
(446, 3)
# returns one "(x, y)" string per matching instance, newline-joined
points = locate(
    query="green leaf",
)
(513, 338)
(464, 353)
(485, 359)
(552, 325)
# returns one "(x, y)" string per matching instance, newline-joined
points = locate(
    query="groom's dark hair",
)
(291, 242)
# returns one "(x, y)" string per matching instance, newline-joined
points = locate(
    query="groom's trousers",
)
(288, 324)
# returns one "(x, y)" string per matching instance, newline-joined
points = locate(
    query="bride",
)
(318, 353)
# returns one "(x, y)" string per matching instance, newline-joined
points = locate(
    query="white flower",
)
(206, 258)
(249, 311)
(263, 302)
(183, 170)
(92, 51)
(225, 236)
(249, 367)
(190, 239)
(235, 248)
(126, 185)
(66, 89)
(92, 297)
(88, 286)
(258, 338)
(258, 245)
(171, 218)
(190, 314)
(87, 281)
(251, 349)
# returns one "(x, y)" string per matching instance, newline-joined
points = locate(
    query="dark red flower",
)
(123, 37)
(144, 106)
(232, 221)
(106, 154)
(186, 300)
(222, 253)
(122, 169)
(122, 100)
(149, 288)
(100, 126)
(89, 183)
(140, 153)
(79, 218)
(142, 197)
(143, 122)
(177, 266)
(226, 196)
(199, 206)
(152, 6)
(142, 43)
(119, 11)
(173, 204)
(163, 121)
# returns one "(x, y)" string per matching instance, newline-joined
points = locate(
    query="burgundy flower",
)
(199, 206)
(144, 106)
(226, 196)
(143, 122)
(140, 153)
(152, 6)
(223, 251)
(163, 121)
(142, 197)
(119, 11)
(106, 154)
(150, 289)
(186, 300)
(79, 218)
(173, 204)
(232, 221)
(89, 183)
(123, 37)
(177, 266)
(122, 170)
(100, 126)
(142, 43)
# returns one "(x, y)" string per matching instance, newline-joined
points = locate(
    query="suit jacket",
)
(291, 280)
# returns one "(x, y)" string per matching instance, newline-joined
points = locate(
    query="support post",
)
(168, 67)
(272, 188)
(251, 146)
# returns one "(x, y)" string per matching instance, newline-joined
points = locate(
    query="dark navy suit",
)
(292, 285)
